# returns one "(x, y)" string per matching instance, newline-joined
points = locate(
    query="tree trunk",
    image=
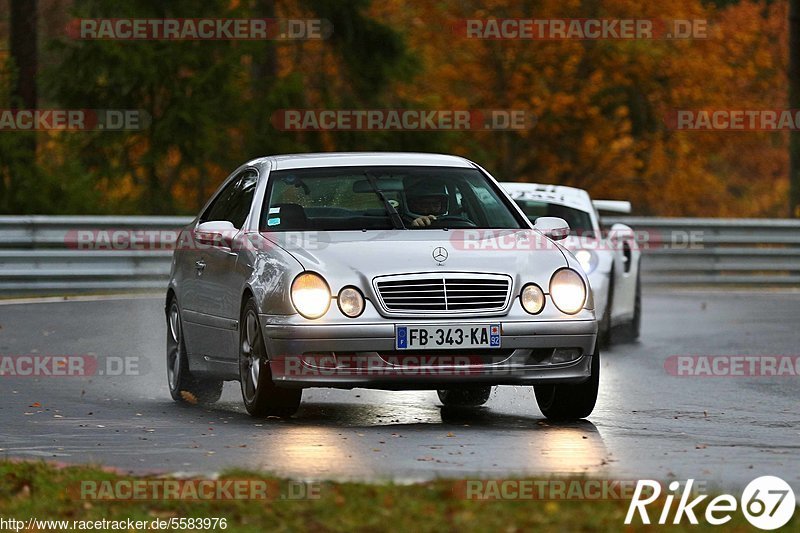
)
(264, 67)
(24, 55)
(794, 104)
(24, 51)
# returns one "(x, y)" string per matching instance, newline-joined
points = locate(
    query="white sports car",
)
(610, 259)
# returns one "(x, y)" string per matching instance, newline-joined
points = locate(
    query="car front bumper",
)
(361, 353)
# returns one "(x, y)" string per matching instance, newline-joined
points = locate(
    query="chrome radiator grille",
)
(443, 293)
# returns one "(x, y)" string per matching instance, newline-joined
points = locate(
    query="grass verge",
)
(47, 492)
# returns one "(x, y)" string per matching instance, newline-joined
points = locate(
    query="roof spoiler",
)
(614, 206)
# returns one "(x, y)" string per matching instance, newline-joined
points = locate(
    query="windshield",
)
(580, 222)
(380, 198)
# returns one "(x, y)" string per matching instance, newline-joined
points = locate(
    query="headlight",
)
(532, 298)
(568, 291)
(587, 259)
(351, 303)
(311, 295)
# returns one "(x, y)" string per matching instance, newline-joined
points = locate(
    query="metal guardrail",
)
(46, 254)
(717, 251)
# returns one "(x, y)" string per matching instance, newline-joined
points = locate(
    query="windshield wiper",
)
(397, 222)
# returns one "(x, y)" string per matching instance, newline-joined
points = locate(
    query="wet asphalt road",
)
(725, 431)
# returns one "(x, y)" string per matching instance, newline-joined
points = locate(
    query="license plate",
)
(447, 336)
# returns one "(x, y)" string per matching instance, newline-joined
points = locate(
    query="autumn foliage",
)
(600, 105)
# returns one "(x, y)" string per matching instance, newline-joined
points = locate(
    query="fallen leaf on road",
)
(189, 397)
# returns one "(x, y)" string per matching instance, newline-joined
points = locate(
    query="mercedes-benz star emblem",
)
(439, 254)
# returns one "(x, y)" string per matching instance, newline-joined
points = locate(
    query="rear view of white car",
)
(611, 259)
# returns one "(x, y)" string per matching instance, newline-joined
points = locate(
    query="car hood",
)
(575, 242)
(355, 257)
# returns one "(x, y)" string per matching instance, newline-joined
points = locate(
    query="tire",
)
(183, 387)
(631, 331)
(464, 397)
(570, 402)
(260, 394)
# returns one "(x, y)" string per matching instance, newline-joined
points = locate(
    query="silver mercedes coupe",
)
(377, 270)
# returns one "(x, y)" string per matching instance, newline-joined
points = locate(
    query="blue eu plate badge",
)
(402, 337)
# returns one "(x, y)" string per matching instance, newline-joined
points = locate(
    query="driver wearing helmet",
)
(425, 200)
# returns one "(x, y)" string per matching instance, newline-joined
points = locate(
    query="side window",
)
(458, 205)
(233, 202)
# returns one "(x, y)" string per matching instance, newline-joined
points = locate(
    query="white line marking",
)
(93, 298)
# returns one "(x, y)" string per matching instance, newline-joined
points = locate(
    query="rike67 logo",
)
(767, 502)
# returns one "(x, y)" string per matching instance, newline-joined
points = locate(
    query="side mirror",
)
(216, 233)
(552, 227)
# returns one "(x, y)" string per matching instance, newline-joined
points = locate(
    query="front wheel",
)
(183, 387)
(260, 394)
(570, 402)
(465, 396)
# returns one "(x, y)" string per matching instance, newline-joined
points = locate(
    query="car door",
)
(624, 274)
(212, 317)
